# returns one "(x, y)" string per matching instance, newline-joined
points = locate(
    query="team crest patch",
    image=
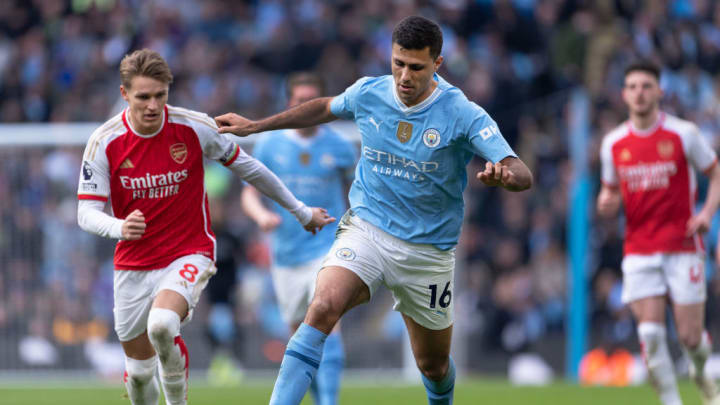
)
(345, 254)
(179, 152)
(431, 137)
(305, 158)
(404, 131)
(665, 149)
(625, 155)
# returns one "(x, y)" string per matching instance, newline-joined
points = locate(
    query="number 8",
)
(188, 272)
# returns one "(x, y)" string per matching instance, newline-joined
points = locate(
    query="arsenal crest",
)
(178, 152)
(404, 131)
(665, 149)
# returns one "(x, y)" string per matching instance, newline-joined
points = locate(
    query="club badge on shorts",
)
(179, 152)
(345, 254)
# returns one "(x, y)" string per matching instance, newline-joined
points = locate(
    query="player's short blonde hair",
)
(144, 62)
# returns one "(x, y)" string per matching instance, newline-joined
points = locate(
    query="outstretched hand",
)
(320, 218)
(134, 226)
(234, 124)
(496, 174)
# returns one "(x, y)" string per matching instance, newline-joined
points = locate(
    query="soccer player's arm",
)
(251, 199)
(310, 113)
(609, 198)
(93, 192)
(221, 148)
(704, 158)
(503, 167)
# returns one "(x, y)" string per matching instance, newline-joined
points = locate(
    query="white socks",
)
(660, 366)
(140, 381)
(164, 333)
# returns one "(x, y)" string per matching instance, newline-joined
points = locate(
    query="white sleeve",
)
(221, 148)
(91, 218)
(257, 174)
(94, 182)
(699, 152)
(608, 175)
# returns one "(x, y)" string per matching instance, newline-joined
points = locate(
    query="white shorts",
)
(294, 288)
(681, 275)
(419, 276)
(135, 291)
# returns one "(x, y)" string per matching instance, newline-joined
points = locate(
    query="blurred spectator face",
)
(641, 93)
(146, 99)
(302, 93)
(412, 70)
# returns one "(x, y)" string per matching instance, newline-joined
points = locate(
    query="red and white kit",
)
(655, 171)
(162, 175)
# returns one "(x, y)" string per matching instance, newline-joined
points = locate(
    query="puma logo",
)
(377, 125)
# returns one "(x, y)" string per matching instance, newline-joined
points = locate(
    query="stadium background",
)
(524, 61)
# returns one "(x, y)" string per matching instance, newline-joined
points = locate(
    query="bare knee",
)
(433, 367)
(689, 338)
(323, 312)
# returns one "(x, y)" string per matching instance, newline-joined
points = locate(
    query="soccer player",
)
(148, 160)
(315, 164)
(418, 134)
(648, 164)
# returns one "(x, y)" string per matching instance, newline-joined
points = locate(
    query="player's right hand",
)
(319, 219)
(134, 226)
(234, 124)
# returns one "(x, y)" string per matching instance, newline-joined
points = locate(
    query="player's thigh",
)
(690, 322)
(685, 273)
(421, 279)
(182, 283)
(430, 347)
(293, 289)
(139, 348)
(649, 309)
(643, 278)
(132, 299)
(338, 290)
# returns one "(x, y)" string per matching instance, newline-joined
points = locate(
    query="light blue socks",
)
(326, 385)
(441, 392)
(299, 366)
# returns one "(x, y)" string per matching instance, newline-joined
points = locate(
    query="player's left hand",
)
(320, 218)
(234, 124)
(699, 223)
(496, 174)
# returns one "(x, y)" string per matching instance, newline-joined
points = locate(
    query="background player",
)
(315, 163)
(649, 164)
(418, 134)
(148, 160)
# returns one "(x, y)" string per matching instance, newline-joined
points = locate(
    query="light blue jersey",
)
(412, 170)
(313, 169)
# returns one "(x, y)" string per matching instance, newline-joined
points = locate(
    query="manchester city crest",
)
(345, 254)
(431, 137)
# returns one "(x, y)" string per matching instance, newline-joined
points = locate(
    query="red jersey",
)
(162, 175)
(655, 170)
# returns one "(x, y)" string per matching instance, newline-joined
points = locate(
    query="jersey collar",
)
(126, 120)
(420, 106)
(647, 131)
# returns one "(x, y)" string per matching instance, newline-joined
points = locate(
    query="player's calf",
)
(140, 381)
(164, 333)
(657, 358)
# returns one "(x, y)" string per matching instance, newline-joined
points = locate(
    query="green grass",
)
(468, 392)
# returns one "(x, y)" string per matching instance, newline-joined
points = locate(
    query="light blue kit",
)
(314, 170)
(412, 169)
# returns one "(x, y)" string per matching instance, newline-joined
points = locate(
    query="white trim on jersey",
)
(206, 225)
(608, 171)
(127, 118)
(417, 107)
(651, 129)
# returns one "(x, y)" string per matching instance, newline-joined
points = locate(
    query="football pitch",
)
(468, 392)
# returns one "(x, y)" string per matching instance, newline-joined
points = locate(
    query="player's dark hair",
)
(643, 66)
(304, 79)
(144, 62)
(417, 33)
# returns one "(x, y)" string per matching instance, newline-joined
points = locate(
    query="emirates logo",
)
(179, 152)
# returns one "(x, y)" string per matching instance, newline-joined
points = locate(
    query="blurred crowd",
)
(519, 59)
